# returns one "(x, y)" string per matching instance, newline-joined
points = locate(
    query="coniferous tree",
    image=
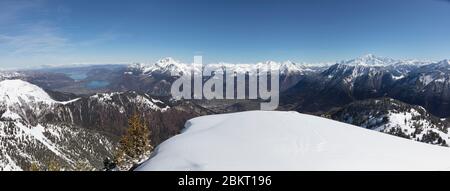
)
(34, 167)
(134, 145)
(53, 165)
(83, 165)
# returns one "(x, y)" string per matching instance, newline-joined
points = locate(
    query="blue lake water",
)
(97, 84)
(77, 75)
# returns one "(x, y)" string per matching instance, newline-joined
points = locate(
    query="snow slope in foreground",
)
(263, 140)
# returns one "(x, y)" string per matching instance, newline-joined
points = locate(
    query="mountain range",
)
(76, 115)
(413, 82)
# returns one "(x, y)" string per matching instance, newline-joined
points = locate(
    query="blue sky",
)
(41, 32)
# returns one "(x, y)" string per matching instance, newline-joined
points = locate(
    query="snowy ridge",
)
(259, 140)
(369, 71)
(145, 101)
(445, 62)
(17, 97)
(433, 75)
(395, 117)
(37, 130)
(9, 75)
(372, 60)
(18, 91)
(409, 124)
(25, 140)
(168, 65)
(372, 65)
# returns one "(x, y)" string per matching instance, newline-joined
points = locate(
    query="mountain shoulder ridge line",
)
(275, 140)
(36, 129)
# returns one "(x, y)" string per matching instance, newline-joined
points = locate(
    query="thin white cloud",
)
(19, 38)
(36, 39)
(24, 43)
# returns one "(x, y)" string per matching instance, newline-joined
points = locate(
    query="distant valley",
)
(405, 98)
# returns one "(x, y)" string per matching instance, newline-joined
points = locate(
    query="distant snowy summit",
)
(169, 65)
(262, 140)
(373, 60)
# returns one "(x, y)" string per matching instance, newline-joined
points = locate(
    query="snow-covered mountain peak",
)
(292, 67)
(369, 56)
(170, 65)
(167, 62)
(445, 62)
(437, 68)
(267, 63)
(414, 62)
(164, 65)
(370, 60)
(289, 64)
(372, 66)
(18, 91)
